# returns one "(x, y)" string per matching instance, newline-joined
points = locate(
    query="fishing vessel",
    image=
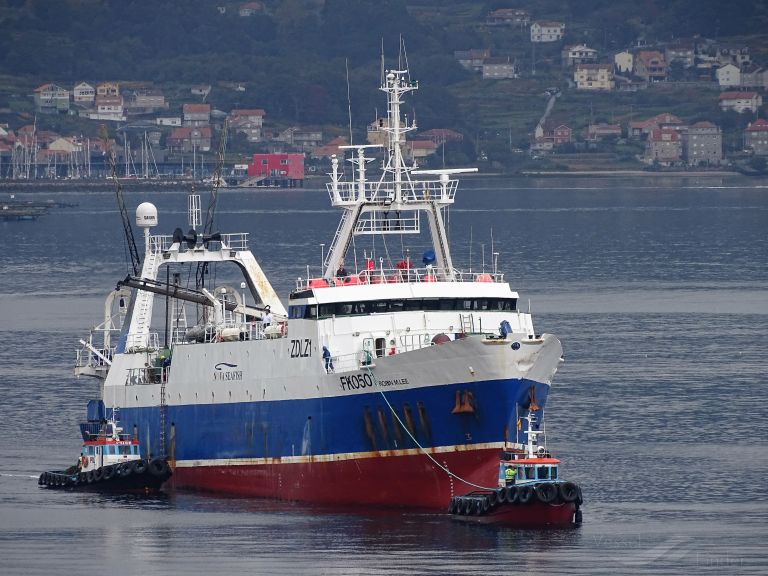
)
(384, 381)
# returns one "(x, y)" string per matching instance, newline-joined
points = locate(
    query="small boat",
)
(110, 460)
(530, 491)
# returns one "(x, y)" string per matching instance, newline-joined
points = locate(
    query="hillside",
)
(296, 58)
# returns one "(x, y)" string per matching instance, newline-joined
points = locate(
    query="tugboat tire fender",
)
(524, 494)
(501, 495)
(139, 466)
(124, 469)
(109, 471)
(158, 467)
(98, 474)
(89, 477)
(511, 494)
(81, 478)
(546, 493)
(41, 480)
(569, 492)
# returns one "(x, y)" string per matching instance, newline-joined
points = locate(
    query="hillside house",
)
(578, 54)
(108, 89)
(643, 128)
(499, 68)
(144, 101)
(682, 51)
(200, 90)
(302, 139)
(51, 99)
(728, 76)
(415, 150)
(550, 136)
(472, 59)
(249, 122)
(663, 147)
(703, 144)
(195, 115)
(756, 137)
(651, 66)
(733, 55)
(332, 148)
(109, 108)
(168, 121)
(84, 94)
(593, 77)
(740, 101)
(441, 135)
(189, 139)
(508, 17)
(624, 62)
(601, 131)
(547, 31)
(754, 77)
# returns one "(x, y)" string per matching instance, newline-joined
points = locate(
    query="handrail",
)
(397, 275)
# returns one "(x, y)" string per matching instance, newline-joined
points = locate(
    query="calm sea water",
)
(657, 287)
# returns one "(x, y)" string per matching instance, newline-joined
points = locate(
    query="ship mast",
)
(367, 204)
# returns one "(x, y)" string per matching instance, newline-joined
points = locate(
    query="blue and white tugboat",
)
(530, 492)
(110, 460)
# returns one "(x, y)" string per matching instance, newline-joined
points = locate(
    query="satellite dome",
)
(146, 215)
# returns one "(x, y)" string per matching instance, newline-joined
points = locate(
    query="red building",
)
(285, 170)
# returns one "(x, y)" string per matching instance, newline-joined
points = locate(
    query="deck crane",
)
(127, 228)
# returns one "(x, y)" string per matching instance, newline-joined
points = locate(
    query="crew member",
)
(509, 475)
(267, 320)
(328, 360)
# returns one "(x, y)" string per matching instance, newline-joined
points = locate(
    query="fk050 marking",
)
(301, 348)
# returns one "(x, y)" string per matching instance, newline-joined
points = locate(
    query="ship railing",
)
(414, 191)
(366, 358)
(397, 275)
(147, 375)
(237, 242)
(231, 331)
(142, 342)
(87, 358)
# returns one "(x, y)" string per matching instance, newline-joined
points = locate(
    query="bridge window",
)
(542, 473)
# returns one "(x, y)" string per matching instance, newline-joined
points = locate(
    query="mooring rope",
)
(423, 450)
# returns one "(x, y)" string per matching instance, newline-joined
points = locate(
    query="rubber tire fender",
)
(511, 494)
(158, 467)
(124, 469)
(569, 492)
(546, 492)
(89, 477)
(524, 494)
(108, 472)
(41, 480)
(139, 466)
(501, 495)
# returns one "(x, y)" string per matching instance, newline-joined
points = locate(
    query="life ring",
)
(83, 461)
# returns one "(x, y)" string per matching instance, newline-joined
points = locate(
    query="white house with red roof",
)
(547, 31)
(196, 114)
(740, 101)
(756, 137)
(247, 121)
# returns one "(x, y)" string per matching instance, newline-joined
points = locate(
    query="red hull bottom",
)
(403, 481)
(533, 514)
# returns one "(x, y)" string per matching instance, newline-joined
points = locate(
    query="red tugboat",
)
(110, 460)
(530, 491)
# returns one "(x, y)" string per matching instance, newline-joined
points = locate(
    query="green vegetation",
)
(303, 61)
